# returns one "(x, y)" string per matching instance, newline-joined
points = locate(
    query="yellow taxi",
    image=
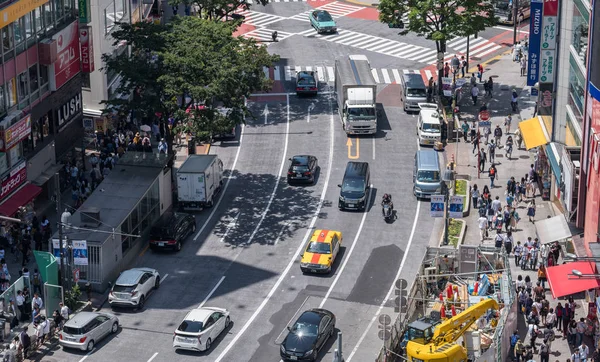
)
(320, 253)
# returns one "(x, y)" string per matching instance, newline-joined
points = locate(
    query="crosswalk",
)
(336, 9)
(264, 35)
(477, 47)
(326, 73)
(285, 1)
(257, 18)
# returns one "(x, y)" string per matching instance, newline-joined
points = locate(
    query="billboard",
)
(67, 64)
(80, 252)
(17, 176)
(87, 49)
(456, 206)
(15, 133)
(549, 32)
(535, 39)
(18, 9)
(437, 205)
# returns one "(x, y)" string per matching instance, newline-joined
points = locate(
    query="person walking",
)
(483, 227)
(490, 87)
(493, 173)
(498, 134)
(486, 133)
(550, 319)
(531, 210)
(523, 66)
(21, 305)
(584, 352)
(465, 130)
(482, 160)
(559, 311)
(475, 142)
(480, 70)
(518, 249)
(492, 150)
(474, 94)
(544, 351)
(463, 65)
(513, 343)
(446, 70)
(474, 194)
(430, 87)
(507, 123)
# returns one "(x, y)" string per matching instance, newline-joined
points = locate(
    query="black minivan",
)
(171, 230)
(353, 193)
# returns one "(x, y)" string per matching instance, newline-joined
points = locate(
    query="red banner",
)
(17, 177)
(550, 7)
(67, 64)
(87, 49)
(17, 132)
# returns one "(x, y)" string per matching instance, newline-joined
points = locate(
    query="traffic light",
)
(274, 35)
(401, 296)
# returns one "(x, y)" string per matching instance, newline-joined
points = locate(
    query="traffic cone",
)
(453, 311)
(442, 298)
(443, 312)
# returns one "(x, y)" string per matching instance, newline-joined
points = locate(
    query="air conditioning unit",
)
(431, 274)
(90, 217)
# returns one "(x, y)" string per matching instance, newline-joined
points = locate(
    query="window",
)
(125, 240)
(15, 154)
(39, 21)
(43, 78)
(12, 92)
(7, 38)
(28, 24)
(22, 86)
(113, 13)
(68, 7)
(19, 29)
(2, 100)
(85, 80)
(33, 78)
(48, 17)
(58, 9)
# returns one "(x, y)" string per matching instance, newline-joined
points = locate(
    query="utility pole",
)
(60, 229)
(515, 23)
(468, 45)
(337, 353)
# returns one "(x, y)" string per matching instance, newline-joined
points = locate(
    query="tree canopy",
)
(192, 70)
(438, 20)
(216, 9)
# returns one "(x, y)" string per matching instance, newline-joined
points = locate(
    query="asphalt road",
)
(245, 255)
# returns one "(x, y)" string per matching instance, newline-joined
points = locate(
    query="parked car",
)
(306, 83)
(133, 287)
(302, 169)
(85, 329)
(200, 328)
(171, 230)
(308, 335)
(322, 21)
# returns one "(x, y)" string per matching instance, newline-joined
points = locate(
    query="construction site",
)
(461, 307)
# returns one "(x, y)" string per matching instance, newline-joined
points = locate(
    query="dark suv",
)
(353, 193)
(171, 230)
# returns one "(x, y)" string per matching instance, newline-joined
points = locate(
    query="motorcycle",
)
(387, 211)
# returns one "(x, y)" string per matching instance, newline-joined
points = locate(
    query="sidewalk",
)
(506, 75)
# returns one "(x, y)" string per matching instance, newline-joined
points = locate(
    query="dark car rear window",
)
(300, 168)
(164, 231)
(124, 288)
(306, 81)
(73, 330)
(190, 326)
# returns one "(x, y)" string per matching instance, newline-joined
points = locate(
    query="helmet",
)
(386, 196)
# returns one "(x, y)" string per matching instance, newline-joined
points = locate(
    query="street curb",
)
(207, 148)
(361, 3)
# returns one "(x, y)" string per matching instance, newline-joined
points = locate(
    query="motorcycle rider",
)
(387, 200)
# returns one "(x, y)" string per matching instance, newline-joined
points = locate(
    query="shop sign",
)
(87, 49)
(550, 7)
(84, 11)
(16, 178)
(437, 205)
(67, 64)
(549, 28)
(69, 110)
(546, 99)
(18, 9)
(547, 65)
(535, 38)
(17, 132)
(456, 206)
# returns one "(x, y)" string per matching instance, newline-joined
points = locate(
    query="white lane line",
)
(298, 250)
(216, 206)
(277, 73)
(373, 147)
(428, 74)
(305, 32)
(330, 74)
(87, 355)
(386, 76)
(375, 75)
(396, 76)
(153, 356)
(211, 292)
(347, 257)
(283, 228)
(392, 287)
(162, 280)
(489, 51)
(230, 226)
(291, 319)
(320, 74)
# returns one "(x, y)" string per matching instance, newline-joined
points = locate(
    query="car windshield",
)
(190, 326)
(428, 176)
(306, 81)
(324, 17)
(319, 248)
(361, 112)
(353, 185)
(305, 329)
(431, 128)
(416, 92)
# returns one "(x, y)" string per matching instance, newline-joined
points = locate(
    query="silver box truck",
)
(199, 180)
(356, 92)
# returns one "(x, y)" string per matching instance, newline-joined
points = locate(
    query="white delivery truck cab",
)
(429, 126)
(199, 181)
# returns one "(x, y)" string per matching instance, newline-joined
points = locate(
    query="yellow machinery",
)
(437, 343)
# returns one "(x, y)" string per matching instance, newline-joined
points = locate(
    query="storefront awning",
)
(563, 282)
(552, 229)
(47, 175)
(25, 194)
(534, 133)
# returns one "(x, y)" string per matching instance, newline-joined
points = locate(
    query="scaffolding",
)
(464, 269)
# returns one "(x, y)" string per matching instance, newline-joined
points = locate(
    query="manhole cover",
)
(492, 61)
(495, 76)
(524, 157)
(475, 58)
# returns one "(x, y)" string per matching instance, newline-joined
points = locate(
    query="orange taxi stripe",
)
(322, 236)
(315, 258)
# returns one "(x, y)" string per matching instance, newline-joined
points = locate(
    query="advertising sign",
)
(87, 49)
(547, 65)
(447, 86)
(550, 7)
(56, 249)
(437, 205)
(84, 11)
(549, 29)
(535, 39)
(546, 99)
(80, 252)
(17, 132)
(18, 9)
(70, 110)
(67, 64)
(16, 178)
(456, 206)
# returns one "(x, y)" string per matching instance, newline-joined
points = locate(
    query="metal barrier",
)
(93, 271)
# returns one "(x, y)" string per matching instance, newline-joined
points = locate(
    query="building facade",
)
(40, 96)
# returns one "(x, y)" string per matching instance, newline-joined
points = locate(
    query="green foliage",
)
(216, 9)
(72, 297)
(438, 20)
(454, 228)
(189, 62)
(460, 187)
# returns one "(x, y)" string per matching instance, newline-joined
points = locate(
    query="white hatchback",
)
(201, 327)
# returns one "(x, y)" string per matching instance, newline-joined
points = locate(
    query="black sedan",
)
(308, 335)
(302, 169)
(306, 83)
(171, 230)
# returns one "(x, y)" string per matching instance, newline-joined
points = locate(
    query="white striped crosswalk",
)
(326, 73)
(336, 9)
(283, 1)
(479, 47)
(257, 18)
(264, 34)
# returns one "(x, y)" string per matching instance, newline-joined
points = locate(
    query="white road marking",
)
(153, 356)
(211, 292)
(330, 74)
(224, 191)
(266, 113)
(386, 76)
(373, 147)
(87, 355)
(320, 74)
(309, 69)
(396, 76)
(347, 257)
(291, 319)
(489, 51)
(391, 290)
(288, 73)
(310, 108)
(428, 74)
(283, 228)
(375, 75)
(277, 75)
(298, 250)
(162, 280)
(230, 226)
(305, 32)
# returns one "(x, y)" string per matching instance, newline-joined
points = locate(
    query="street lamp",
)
(573, 257)
(579, 274)
(448, 178)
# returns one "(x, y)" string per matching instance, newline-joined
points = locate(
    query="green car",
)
(322, 21)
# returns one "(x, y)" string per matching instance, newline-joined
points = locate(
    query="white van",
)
(429, 124)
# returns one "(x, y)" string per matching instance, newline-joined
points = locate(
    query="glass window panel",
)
(58, 9)
(2, 100)
(119, 9)
(12, 92)
(29, 30)
(22, 86)
(43, 74)
(48, 17)
(144, 206)
(33, 78)
(19, 29)
(134, 218)
(68, 7)
(7, 38)
(38, 20)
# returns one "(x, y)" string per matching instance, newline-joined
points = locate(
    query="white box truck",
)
(199, 180)
(356, 92)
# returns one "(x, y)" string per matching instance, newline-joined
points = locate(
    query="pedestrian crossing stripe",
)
(326, 73)
(264, 34)
(257, 18)
(285, 1)
(336, 9)
(479, 47)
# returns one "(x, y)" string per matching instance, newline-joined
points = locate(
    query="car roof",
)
(300, 160)
(306, 74)
(198, 314)
(356, 169)
(82, 318)
(428, 160)
(131, 276)
(313, 316)
(323, 236)
(322, 12)
(430, 116)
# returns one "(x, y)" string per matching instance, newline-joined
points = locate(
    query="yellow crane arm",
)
(451, 329)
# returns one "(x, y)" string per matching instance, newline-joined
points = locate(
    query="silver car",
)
(133, 287)
(85, 329)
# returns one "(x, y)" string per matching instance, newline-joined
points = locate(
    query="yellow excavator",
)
(430, 342)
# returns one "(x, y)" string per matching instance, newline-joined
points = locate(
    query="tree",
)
(216, 9)
(192, 70)
(438, 20)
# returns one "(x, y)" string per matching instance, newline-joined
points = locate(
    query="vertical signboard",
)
(547, 65)
(550, 7)
(437, 205)
(535, 38)
(87, 49)
(546, 98)
(67, 64)
(549, 30)
(84, 11)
